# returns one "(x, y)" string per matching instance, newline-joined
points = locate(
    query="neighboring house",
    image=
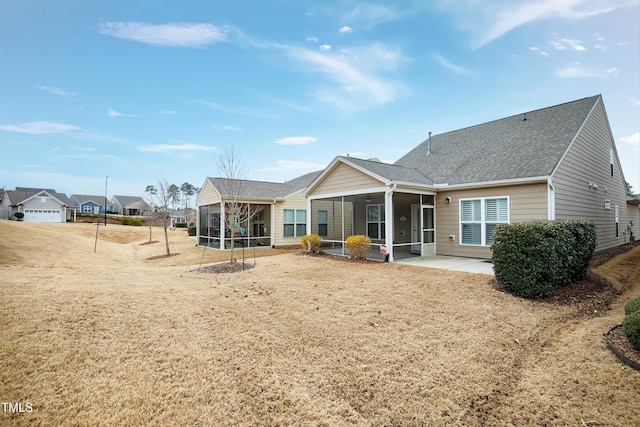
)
(37, 205)
(130, 205)
(447, 194)
(91, 204)
(279, 212)
(182, 216)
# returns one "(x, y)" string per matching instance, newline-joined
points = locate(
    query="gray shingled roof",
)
(135, 202)
(83, 198)
(396, 173)
(20, 194)
(262, 189)
(504, 149)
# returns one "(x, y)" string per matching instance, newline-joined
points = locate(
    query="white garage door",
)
(42, 215)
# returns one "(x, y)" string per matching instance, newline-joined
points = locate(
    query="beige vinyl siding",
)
(345, 178)
(297, 202)
(526, 203)
(208, 195)
(588, 161)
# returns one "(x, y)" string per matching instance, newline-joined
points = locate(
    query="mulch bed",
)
(151, 258)
(619, 345)
(225, 267)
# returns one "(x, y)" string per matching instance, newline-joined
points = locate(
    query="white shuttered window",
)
(478, 219)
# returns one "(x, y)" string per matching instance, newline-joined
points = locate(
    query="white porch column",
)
(223, 227)
(309, 216)
(272, 224)
(388, 221)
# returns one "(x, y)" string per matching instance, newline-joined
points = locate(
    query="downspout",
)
(223, 227)
(388, 205)
(308, 216)
(272, 224)
(551, 200)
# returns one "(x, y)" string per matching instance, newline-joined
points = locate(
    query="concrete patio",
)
(470, 265)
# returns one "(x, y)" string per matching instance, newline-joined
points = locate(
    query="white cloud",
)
(565, 44)
(356, 74)
(113, 113)
(313, 39)
(165, 148)
(56, 91)
(491, 19)
(539, 51)
(451, 66)
(40, 127)
(635, 101)
(345, 29)
(325, 47)
(611, 72)
(177, 34)
(296, 140)
(574, 71)
(631, 139)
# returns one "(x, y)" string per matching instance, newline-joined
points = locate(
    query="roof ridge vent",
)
(429, 145)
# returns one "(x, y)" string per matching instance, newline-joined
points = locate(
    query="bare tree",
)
(234, 188)
(160, 199)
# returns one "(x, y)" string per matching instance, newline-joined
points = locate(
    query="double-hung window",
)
(375, 221)
(479, 217)
(323, 223)
(295, 222)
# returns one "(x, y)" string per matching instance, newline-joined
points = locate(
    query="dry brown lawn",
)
(114, 338)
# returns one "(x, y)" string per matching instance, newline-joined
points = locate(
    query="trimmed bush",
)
(534, 259)
(125, 220)
(310, 242)
(358, 246)
(631, 327)
(191, 231)
(632, 306)
(181, 225)
(137, 222)
(19, 215)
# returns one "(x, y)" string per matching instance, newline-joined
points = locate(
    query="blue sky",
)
(142, 91)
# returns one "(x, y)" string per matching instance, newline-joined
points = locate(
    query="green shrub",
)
(125, 220)
(191, 231)
(631, 327)
(632, 306)
(310, 242)
(358, 246)
(181, 225)
(137, 222)
(534, 259)
(19, 215)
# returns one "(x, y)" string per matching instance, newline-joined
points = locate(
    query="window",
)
(375, 221)
(323, 223)
(87, 209)
(611, 161)
(295, 222)
(479, 217)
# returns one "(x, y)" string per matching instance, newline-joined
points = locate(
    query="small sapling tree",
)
(160, 199)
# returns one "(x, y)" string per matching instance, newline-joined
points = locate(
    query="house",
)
(447, 194)
(91, 204)
(130, 205)
(182, 216)
(277, 212)
(37, 205)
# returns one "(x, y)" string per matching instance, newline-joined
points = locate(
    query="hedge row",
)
(534, 259)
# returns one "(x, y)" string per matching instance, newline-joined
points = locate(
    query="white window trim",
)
(483, 221)
(381, 224)
(295, 223)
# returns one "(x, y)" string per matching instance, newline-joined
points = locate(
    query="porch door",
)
(428, 230)
(415, 230)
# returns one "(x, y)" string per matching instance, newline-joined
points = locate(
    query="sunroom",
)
(365, 197)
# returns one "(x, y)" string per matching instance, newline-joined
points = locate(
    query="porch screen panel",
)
(323, 223)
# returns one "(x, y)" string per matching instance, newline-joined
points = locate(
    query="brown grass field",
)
(115, 338)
